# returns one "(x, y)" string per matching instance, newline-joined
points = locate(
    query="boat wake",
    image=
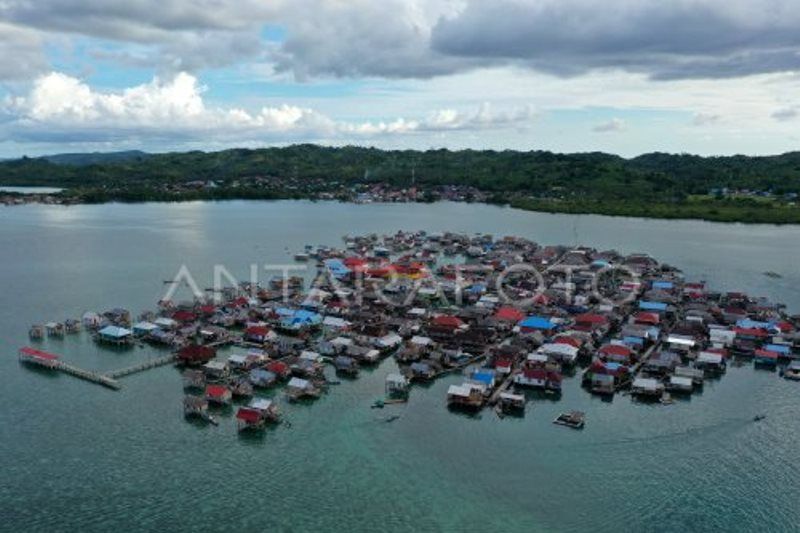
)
(729, 425)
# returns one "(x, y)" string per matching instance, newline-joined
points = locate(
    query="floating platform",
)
(571, 419)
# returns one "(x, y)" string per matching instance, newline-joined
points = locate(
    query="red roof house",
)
(509, 314)
(184, 316)
(447, 322)
(195, 354)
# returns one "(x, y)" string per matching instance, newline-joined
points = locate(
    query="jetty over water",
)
(88, 375)
(108, 379)
(141, 367)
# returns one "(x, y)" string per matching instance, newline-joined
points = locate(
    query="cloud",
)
(705, 119)
(136, 20)
(786, 113)
(60, 107)
(665, 39)
(615, 124)
(390, 39)
(20, 52)
(170, 35)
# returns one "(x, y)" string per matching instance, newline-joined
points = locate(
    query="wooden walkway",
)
(109, 379)
(141, 367)
(87, 375)
(642, 360)
(502, 388)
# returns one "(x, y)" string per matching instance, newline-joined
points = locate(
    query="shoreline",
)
(653, 211)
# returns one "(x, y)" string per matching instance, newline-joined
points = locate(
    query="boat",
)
(572, 419)
(758, 418)
(771, 274)
(301, 257)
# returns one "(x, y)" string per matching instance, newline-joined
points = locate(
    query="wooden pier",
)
(106, 379)
(642, 360)
(502, 388)
(87, 375)
(141, 367)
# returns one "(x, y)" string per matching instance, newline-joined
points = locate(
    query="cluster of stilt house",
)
(514, 318)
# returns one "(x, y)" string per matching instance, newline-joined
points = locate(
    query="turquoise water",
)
(79, 457)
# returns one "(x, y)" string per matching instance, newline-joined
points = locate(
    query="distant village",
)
(253, 187)
(10, 199)
(733, 194)
(321, 189)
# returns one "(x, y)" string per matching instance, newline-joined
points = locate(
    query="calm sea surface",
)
(77, 457)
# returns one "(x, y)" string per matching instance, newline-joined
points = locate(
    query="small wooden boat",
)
(572, 419)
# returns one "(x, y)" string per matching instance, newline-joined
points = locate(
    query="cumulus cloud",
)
(787, 113)
(615, 124)
(62, 107)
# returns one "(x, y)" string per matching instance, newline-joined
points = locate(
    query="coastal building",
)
(114, 335)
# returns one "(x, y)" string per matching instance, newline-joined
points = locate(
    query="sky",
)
(711, 77)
